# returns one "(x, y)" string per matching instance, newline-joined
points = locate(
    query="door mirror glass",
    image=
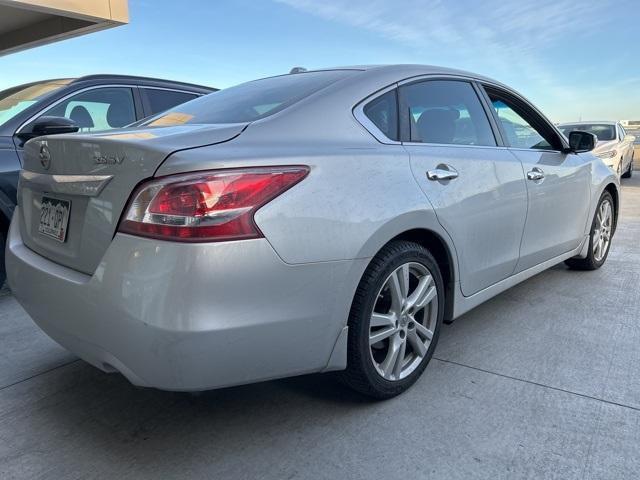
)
(48, 126)
(580, 141)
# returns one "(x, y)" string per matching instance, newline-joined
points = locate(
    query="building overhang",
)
(29, 23)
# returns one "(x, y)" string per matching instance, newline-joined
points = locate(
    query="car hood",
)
(605, 146)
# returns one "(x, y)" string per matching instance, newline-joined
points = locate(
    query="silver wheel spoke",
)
(426, 299)
(397, 298)
(397, 369)
(380, 335)
(382, 320)
(419, 293)
(424, 332)
(418, 345)
(392, 356)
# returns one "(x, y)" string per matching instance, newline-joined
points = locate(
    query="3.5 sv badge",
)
(108, 159)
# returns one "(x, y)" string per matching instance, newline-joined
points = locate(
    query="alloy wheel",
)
(602, 232)
(403, 321)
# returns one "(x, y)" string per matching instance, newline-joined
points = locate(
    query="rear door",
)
(476, 187)
(558, 183)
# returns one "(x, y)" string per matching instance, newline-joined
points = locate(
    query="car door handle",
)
(442, 172)
(535, 174)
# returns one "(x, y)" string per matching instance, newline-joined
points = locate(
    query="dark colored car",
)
(92, 103)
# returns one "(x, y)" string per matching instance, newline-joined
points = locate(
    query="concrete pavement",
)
(541, 382)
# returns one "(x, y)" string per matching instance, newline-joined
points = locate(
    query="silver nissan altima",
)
(310, 222)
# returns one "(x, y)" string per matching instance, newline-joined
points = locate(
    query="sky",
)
(573, 59)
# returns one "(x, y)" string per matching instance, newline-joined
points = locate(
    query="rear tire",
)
(400, 301)
(598, 253)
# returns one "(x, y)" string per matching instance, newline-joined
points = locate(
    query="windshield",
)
(15, 100)
(603, 131)
(250, 101)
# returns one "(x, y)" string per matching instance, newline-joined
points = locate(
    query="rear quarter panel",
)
(354, 200)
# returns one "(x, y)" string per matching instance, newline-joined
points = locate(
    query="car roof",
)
(417, 69)
(139, 79)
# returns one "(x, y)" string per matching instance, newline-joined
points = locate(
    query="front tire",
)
(629, 172)
(395, 321)
(602, 229)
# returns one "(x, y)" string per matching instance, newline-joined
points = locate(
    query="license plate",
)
(54, 218)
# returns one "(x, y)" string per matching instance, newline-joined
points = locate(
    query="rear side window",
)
(250, 101)
(160, 100)
(445, 112)
(383, 113)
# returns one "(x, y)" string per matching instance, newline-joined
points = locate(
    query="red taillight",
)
(206, 206)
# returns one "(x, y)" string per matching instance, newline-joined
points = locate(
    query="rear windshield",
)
(603, 131)
(249, 101)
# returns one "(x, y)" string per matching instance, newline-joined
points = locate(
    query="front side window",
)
(444, 112)
(519, 125)
(383, 112)
(98, 109)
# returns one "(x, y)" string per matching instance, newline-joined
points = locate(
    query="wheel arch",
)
(438, 244)
(441, 251)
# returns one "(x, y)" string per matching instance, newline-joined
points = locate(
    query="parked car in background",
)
(92, 103)
(615, 147)
(325, 220)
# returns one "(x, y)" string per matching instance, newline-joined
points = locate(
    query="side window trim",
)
(496, 126)
(67, 97)
(361, 117)
(536, 120)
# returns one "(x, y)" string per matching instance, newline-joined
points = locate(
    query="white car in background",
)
(614, 145)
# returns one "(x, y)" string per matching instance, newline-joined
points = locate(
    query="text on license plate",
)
(54, 218)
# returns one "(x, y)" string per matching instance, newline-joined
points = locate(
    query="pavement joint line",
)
(531, 382)
(38, 374)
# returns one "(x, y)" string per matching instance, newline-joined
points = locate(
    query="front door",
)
(558, 183)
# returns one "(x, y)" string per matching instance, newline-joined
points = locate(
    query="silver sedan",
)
(310, 222)
(615, 146)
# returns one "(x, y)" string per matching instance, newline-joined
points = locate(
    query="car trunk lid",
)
(90, 178)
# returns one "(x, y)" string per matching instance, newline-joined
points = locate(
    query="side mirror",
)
(630, 138)
(580, 142)
(48, 126)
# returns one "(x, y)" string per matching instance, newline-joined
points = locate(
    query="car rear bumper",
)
(189, 316)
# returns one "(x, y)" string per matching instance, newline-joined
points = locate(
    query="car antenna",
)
(298, 70)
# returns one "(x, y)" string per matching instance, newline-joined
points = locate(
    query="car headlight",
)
(608, 154)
